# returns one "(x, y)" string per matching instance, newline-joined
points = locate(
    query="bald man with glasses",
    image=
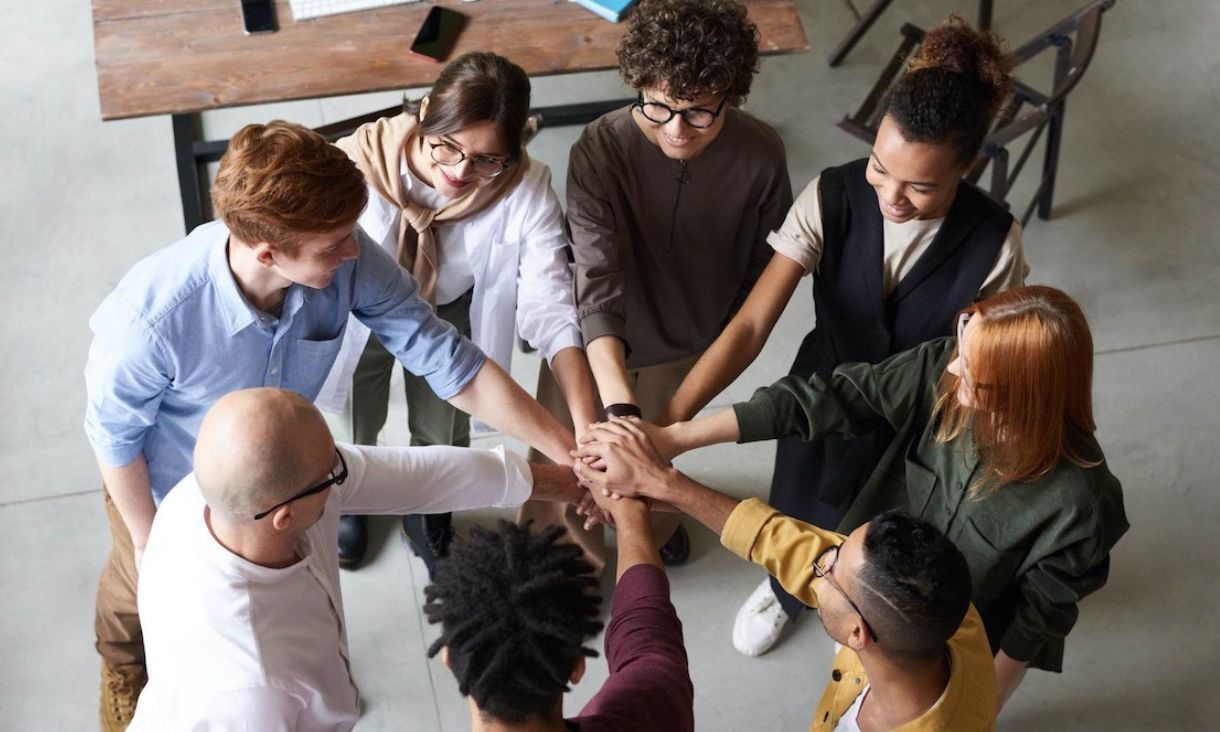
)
(239, 588)
(894, 594)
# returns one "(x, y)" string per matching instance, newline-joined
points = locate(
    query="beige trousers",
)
(653, 387)
(120, 642)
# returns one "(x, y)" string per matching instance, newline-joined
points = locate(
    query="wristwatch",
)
(622, 409)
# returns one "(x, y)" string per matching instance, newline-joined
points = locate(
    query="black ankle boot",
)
(353, 540)
(429, 536)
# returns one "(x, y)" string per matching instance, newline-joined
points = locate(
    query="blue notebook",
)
(611, 10)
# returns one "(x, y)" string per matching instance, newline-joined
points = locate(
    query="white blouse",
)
(516, 255)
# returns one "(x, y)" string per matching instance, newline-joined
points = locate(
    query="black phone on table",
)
(438, 33)
(259, 16)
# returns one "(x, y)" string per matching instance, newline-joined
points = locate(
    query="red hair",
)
(280, 182)
(1031, 364)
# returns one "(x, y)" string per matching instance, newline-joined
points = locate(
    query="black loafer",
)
(429, 536)
(677, 550)
(353, 540)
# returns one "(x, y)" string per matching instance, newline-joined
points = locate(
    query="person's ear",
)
(281, 518)
(423, 108)
(445, 657)
(578, 671)
(857, 635)
(264, 254)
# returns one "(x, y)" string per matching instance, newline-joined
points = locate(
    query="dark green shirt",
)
(1046, 541)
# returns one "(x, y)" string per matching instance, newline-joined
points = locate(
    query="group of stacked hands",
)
(938, 494)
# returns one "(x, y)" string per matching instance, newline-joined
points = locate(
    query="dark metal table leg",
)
(985, 8)
(857, 32)
(192, 175)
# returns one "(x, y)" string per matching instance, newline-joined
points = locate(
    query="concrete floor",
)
(1132, 238)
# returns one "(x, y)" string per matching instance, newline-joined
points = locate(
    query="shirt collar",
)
(239, 314)
(227, 562)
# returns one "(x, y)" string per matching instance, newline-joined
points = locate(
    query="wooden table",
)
(182, 57)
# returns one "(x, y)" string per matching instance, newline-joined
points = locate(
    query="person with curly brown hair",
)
(670, 201)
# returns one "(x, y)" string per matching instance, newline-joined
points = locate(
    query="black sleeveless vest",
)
(855, 320)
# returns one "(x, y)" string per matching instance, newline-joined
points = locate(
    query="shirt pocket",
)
(311, 361)
(995, 556)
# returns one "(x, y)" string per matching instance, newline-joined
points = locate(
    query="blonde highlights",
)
(1031, 367)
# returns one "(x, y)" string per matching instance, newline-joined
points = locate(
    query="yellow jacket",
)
(786, 548)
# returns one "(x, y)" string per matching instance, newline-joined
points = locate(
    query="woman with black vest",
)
(898, 243)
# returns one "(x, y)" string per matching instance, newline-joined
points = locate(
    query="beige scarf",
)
(377, 149)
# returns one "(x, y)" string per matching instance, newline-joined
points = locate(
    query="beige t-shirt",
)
(800, 239)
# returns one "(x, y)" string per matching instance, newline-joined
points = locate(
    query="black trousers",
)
(817, 481)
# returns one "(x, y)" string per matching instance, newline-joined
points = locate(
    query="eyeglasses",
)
(823, 567)
(336, 478)
(484, 166)
(696, 117)
(961, 353)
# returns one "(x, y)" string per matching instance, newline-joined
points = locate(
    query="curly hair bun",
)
(956, 46)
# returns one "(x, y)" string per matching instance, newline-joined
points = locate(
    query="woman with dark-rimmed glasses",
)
(994, 446)
(455, 197)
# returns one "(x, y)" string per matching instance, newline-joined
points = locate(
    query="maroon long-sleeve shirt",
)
(649, 686)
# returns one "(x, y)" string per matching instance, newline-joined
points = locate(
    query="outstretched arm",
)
(608, 360)
(571, 370)
(740, 342)
(495, 398)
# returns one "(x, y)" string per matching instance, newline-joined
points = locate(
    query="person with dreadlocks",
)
(516, 606)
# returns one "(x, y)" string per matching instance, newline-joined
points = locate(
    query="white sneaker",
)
(760, 622)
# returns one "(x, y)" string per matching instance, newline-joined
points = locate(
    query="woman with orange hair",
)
(994, 447)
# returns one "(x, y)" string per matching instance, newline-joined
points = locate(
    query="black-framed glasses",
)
(336, 478)
(484, 166)
(696, 117)
(823, 567)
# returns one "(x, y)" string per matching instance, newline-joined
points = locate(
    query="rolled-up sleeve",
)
(125, 378)
(1010, 268)
(596, 248)
(386, 299)
(783, 546)
(435, 479)
(546, 304)
(800, 236)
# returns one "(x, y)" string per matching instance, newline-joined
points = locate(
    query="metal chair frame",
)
(1028, 111)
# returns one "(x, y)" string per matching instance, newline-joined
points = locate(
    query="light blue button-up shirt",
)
(177, 334)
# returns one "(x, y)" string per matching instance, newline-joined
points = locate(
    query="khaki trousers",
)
(430, 419)
(653, 387)
(120, 642)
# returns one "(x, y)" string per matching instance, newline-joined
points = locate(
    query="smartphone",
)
(439, 32)
(259, 16)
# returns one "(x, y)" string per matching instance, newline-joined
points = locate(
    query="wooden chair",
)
(1029, 113)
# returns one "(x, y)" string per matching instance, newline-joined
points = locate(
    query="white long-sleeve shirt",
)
(232, 645)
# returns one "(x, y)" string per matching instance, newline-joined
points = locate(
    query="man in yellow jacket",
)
(894, 594)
